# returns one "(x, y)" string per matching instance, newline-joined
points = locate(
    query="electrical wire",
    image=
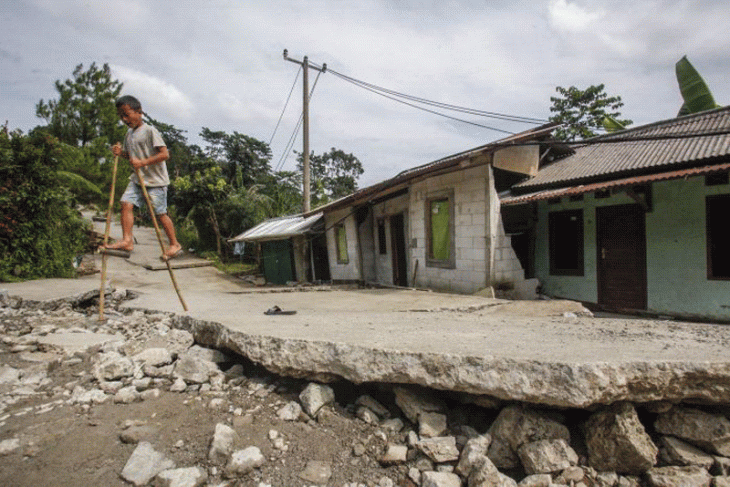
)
(293, 137)
(457, 108)
(296, 78)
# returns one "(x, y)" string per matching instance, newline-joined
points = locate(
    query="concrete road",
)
(538, 351)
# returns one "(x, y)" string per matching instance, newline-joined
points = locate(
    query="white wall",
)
(384, 262)
(351, 270)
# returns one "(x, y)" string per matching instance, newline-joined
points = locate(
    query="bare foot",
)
(121, 245)
(172, 252)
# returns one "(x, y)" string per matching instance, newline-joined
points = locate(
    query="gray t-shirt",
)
(141, 144)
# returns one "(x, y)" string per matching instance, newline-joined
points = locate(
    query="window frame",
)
(341, 229)
(578, 242)
(710, 232)
(450, 262)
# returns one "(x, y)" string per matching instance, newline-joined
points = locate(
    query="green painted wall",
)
(676, 251)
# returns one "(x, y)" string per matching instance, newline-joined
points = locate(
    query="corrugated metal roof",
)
(279, 228)
(702, 137)
(616, 183)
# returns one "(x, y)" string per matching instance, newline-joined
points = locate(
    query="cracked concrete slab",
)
(542, 352)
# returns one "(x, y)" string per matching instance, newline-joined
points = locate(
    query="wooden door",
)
(621, 246)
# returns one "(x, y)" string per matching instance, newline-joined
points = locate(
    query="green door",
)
(277, 256)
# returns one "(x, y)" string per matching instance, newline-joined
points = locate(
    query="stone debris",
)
(416, 437)
(144, 464)
(673, 476)
(706, 430)
(317, 472)
(547, 456)
(314, 396)
(243, 461)
(182, 477)
(221, 447)
(617, 441)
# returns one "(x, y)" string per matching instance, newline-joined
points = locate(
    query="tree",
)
(199, 195)
(40, 233)
(243, 159)
(583, 111)
(182, 156)
(333, 174)
(85, 107)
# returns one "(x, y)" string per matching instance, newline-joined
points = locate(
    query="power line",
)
(285, 105)
(457, 108)
(293, 137)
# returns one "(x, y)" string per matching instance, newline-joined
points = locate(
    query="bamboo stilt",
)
(110, 209)
(159, 237)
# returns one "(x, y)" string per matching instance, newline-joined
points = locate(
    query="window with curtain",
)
(440, 230)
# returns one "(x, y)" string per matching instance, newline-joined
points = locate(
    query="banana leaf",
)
(697, 96)
(611, 125)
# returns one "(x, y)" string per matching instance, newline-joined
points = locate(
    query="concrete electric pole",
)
(305, 124)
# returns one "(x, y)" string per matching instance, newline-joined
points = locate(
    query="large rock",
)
(711, 432)
(416, 401)
(113, 366)
(221, 447)
(440, 479)
(194, 370)
(182, 477)
(144, 464)
(547, 456)
(440, 450)
(691, 476)
(473, 454)
(315, 396)
(515, 426)
(244, 461)
(617, 441)
(676, 452)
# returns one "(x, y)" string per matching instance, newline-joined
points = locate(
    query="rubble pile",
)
(389, 434)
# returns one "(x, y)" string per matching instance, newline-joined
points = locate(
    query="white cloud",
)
(154, 93)
(571, 17)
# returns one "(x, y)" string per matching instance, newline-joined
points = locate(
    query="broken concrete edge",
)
(563, 385)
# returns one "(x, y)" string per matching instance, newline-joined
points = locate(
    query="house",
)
(436, 226)
(635, 220)
(290, 248)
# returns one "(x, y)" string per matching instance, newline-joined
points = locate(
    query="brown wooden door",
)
(621, 246)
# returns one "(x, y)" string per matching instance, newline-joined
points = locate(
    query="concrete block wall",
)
(470, 206)
(351, 270)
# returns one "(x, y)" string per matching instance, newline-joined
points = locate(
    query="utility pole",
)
(305, 124)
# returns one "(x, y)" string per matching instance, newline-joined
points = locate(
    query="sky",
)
(219, 64)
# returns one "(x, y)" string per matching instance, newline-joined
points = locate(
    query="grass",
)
(232, 268)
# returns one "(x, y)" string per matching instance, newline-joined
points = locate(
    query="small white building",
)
(436, 226)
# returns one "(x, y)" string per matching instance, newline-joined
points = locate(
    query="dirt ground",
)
(71, 445)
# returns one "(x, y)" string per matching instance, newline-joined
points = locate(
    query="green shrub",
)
(40, 231)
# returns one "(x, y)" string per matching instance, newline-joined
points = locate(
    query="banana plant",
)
(697, 96)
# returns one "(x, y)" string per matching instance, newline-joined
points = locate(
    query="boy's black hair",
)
(130, 101)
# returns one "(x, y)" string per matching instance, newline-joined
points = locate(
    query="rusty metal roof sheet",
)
(614, 184)
(280, 228)
(690, 140)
